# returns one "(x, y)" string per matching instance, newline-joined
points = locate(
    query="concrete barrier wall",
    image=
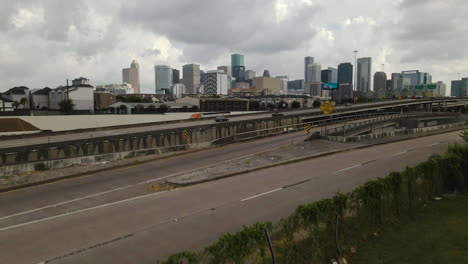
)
(394, 133)
(63, 154)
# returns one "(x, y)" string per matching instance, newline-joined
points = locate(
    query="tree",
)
(23, 102)
(317, 103)
(464, 135)
(15, 105)
(147, 100)
(123, 109)
(140, 108)
(282, 105)
(112, 109)
(270, 106)
(296, 105)
(133, 99)
(151, 108)
(195, 108)
(254, 105)
(67, 105)
(163, 109)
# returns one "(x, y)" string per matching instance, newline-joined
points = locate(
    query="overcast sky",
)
(43, 42)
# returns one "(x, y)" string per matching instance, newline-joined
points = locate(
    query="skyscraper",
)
(380, 83)
(326, 76)
(334, 76)
(163, 79)
(284, 84)
(266, 73)
(416, 77)
(237, 60)
(249, 75)
(132, 76)
(191, 75)
(225, 69)
(175, 76)
(238, 67)
(314, 73)
(364, 68)
(345, 73)
(307, 61)
(215, 82)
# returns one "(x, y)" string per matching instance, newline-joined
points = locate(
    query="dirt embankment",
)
(15, 125)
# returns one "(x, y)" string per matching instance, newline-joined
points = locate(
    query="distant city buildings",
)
(132, 76)
(266, 73)
(326, 76)
(345, 73)
(215, 82)
(284, 84)
(296, 86)
(380, 84)
(226, 70)
(191, 74)
(238, 67)
(460, 88)
(313, 73)
(307, 61)
(334, 74)
(345, 92)
(416, 77)
(163, 79)
(364, 69)
(249, 75)
(116, 89)
(175, 76)
(267, 85)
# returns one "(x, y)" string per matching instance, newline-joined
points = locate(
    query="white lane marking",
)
(80, 211)
(258, 195)
(127, 187)
(400, 153)
(434, 144)
(350, 168)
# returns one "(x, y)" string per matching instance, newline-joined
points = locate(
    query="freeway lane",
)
(149, 128)
(147, 226)
(52, 194)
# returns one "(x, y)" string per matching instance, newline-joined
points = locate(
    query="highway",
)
(9, 143)
(136, 227)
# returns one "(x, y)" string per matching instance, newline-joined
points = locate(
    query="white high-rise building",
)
(307, 61)
(215, 82)
(284, 84)
(364, 68)
(132, 76)
(163, 79)
(314, 73)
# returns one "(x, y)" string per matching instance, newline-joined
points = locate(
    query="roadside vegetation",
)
(335, 230)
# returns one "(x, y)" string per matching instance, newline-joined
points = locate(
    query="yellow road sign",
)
(186, 135)
(308, 128)
(327, 107)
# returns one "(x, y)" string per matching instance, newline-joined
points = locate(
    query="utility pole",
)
(68, 95)
(355, 69)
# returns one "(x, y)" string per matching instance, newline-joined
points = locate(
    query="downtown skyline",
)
(115, 33)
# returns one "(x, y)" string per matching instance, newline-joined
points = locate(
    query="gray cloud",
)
(55, 39)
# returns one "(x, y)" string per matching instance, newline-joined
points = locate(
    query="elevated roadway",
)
(127, 130)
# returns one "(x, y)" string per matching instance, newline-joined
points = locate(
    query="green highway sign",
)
(432, 86)
(419, 87)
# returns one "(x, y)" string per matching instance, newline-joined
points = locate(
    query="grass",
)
(437, 233)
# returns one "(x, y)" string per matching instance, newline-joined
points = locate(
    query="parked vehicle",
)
(204, 115)
(221, 119)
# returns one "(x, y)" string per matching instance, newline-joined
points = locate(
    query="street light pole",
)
(355, 69)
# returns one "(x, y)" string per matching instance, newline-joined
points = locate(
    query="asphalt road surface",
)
(145, 228)
(125, 131)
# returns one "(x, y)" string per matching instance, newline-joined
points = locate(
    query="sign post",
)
(186, 136)
(327, 108)
(308, 129)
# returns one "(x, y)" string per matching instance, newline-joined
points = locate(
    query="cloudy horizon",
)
(44, 42)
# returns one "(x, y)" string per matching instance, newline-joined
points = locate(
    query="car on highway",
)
(221, 119)
(348, 104)
(276, 113)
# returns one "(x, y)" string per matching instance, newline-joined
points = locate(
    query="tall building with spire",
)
(132, 76)
(364, 69)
